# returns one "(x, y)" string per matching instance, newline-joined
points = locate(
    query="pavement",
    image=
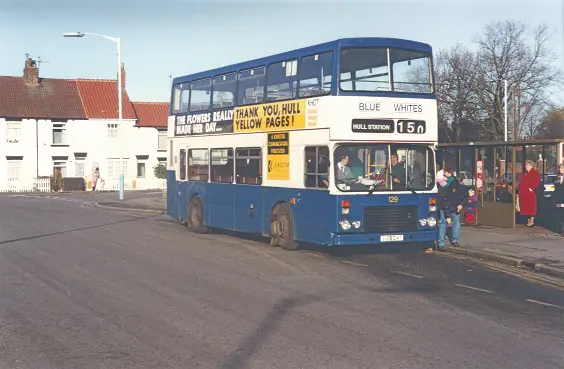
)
(534, 248)
(84, 286)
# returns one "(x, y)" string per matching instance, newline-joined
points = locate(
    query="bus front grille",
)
(383, 219)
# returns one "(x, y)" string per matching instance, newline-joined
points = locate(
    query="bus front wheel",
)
(196, 215)
(282, 228)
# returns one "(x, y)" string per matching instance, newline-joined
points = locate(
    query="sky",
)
(163, 38)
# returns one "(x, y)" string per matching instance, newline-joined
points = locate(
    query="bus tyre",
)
(282, 228)
(196, 216)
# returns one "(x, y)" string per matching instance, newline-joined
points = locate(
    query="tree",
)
(509, 51)
(553, 124)
(160, 171)
(455, 76)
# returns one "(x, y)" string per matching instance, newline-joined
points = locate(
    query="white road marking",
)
(473, 288)
(407, 274)
(544, 303)
(353, 263)
(316, 255)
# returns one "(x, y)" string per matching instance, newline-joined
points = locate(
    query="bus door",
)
(180, 184)
(248, 191)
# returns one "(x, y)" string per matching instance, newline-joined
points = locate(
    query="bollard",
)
(121, 184)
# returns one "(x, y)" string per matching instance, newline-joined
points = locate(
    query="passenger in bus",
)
(398, 172)
(324, 168)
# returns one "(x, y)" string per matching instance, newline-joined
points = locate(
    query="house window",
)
(141, 169)
(59, 134)
(79, 161)
(112, 130)
(114, 170)
(141, 165)
(162, 141)
(79, 168)
(13, 130)
(62, 165)
(14, 169)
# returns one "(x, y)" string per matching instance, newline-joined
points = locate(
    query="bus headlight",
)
(422, 221)
(356, 224)
(345, 225)
(431, 221)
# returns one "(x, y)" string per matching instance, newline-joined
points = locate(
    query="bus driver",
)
(344, 172)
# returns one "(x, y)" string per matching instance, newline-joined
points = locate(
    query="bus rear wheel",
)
(282, 228)
(196, 216)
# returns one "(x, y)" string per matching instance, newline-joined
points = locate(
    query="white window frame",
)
(113, 166)
(13, 132)
(144, 162)
(13, 164)
(112, 130)
(161, 143)
(79, 162)
(63, 128)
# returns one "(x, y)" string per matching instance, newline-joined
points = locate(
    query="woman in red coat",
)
(527, 195)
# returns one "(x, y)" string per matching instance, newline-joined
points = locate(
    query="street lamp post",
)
(505, 106)
(120, 113)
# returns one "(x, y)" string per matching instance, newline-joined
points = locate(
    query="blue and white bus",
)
(332, 144)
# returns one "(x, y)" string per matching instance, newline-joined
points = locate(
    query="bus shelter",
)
(493, 170)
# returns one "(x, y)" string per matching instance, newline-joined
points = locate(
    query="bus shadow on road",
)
(373, 249)
(369, 249)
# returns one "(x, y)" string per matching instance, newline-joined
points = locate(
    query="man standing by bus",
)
(450, 196)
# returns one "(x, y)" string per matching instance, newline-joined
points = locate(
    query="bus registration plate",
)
(391, 237)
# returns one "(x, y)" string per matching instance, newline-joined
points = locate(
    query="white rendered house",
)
(72, 125)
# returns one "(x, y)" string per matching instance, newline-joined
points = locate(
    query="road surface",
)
(93, 288)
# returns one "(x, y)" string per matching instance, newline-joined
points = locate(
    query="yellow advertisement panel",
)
(280, 116)
(278, 156)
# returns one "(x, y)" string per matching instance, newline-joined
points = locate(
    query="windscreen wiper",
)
(410, 183)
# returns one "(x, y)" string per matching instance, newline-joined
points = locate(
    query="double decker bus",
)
(332, 144)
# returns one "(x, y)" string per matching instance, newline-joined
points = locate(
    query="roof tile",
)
(151, 114)
(100, 101)
(51, 99)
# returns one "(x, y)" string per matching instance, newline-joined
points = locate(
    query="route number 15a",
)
(411, 126)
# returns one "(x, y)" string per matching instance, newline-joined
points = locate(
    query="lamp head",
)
(73, 34)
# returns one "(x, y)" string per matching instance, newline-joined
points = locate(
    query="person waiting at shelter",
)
(471, 206)
(527, 201)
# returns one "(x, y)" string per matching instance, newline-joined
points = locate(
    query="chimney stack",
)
(122, 77)
(31, 72)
